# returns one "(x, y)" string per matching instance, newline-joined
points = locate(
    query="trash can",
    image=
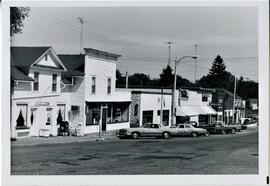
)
(64, 128)
(44, 133)
(79, 131)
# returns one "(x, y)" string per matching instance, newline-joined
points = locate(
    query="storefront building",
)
(90, 83)
(47, 88)
(150, 106)
(35, 91)
(193, 104)
(223, 101)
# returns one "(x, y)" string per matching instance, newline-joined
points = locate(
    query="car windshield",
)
(147, 126)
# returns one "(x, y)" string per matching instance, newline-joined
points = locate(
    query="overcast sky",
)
(139, 35)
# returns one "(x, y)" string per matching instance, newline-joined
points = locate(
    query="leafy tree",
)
(166, 77)
(182, 82)
(17, 16)
(140, 79)
(120, 80)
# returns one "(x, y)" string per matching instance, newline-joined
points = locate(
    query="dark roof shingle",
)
(74, 64)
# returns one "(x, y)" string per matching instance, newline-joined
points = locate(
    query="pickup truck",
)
(237, 127)
(218, 128)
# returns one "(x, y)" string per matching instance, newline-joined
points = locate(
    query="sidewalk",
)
(107, 135)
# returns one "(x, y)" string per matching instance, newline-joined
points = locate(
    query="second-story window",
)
(36, 81)
(54, 82)
(46, 57)
(93, 90)
(109, 86)
(204, 98)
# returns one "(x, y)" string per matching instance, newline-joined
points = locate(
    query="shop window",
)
(109, 86)
(92, 114)
(93, 90)
(49, 116)
(36, 81)
(147, 116)
(22, 116)
(60, 113)
(118, 112)
(54, 82)
(165, 118)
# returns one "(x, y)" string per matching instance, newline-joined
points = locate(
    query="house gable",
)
(49, 60)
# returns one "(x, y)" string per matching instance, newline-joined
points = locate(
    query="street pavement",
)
(217, 154)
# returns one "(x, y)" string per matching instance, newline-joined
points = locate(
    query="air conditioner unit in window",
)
(75, 108)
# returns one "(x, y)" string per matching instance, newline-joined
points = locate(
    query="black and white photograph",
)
(136, 90)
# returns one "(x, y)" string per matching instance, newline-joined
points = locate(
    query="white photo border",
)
(263, 79)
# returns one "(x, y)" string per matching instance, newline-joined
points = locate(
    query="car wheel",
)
(194, 134)
(233, 131)
(223, 132)
(166, 135)
(135, 135)
(206, 134)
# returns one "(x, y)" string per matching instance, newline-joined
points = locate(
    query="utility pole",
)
(169, 43)
(234, 94)
(161, 107)
(126, 79)
(196, 48)
(81, 36)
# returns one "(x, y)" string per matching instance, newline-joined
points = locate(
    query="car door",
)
(154, 130)
(188, 130)
(181, 130)
(145, 130)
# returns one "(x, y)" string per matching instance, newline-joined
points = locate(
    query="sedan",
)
(189, 130)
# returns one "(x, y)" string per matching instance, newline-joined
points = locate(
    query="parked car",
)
(218, 128)
(189, 130)
(148, 130)
(243, 127)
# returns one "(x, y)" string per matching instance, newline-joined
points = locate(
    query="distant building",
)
(193, 104)
(77, 88)
(222, 102)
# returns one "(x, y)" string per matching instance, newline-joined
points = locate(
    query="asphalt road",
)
(217, 154)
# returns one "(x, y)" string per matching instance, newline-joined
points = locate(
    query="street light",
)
(176, 62)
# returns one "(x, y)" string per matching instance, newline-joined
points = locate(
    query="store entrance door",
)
(104, 119)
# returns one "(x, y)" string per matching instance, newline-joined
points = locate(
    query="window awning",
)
(194, 110)
(186, 111)
(209, 109)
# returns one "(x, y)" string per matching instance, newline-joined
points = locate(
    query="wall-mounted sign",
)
(42, 103)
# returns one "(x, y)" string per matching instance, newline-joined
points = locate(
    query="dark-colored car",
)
(217, 128)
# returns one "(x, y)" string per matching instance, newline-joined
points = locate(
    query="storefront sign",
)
(215, 104)
(42, 103)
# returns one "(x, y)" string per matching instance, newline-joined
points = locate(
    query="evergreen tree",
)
(218, 67)
(166, 77)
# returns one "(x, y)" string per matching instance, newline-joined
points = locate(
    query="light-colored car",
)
(148, 130)
(189, 130)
